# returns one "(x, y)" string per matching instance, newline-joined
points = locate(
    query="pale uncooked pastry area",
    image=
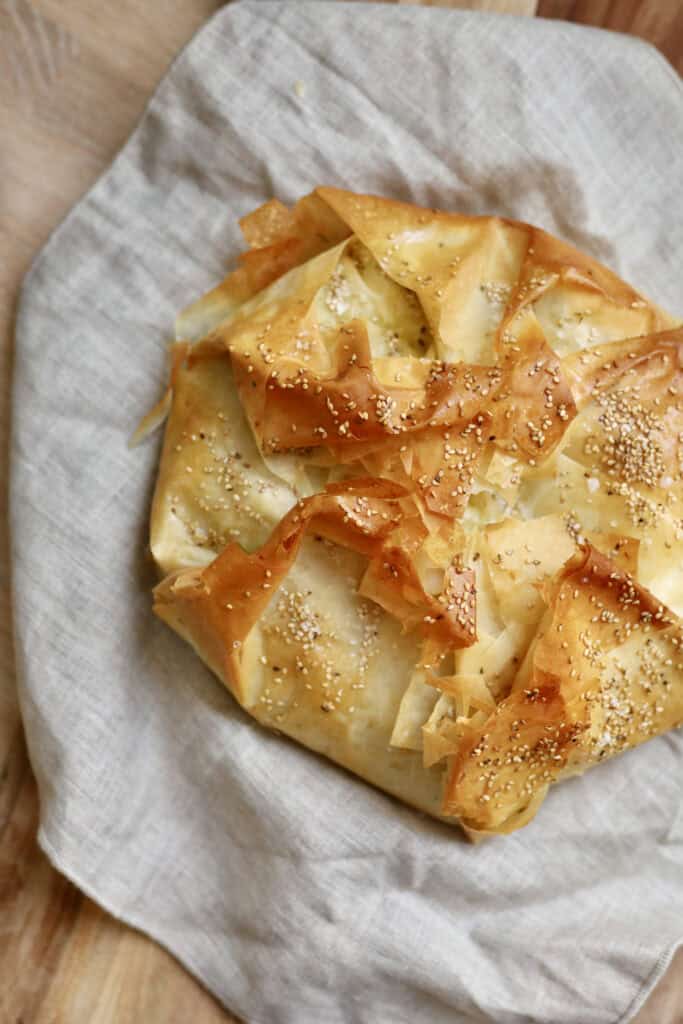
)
(76, 77)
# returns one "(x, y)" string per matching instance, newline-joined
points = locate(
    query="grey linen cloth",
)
(298, 894)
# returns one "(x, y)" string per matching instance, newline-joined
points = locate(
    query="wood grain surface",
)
(74, 77)
(658, 21)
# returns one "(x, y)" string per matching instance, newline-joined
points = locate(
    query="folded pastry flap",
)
(227, 598)
(310, 221)
(213, 486)
(318, 662)
(391, 580)
(651, 364)
(560, 486)
(535, 404)
(440, 736)
(269, 223)
(278, 322)
(551, 255)
(437, 463)
(578, 302)
(517, 819)
(346, 403)
(293, 291)
(469, 692)
(603, 676)
(576, 319)
(360, 289)
(631, 420)
(476, 297)
(446, 729)
(417, 704)
(280, 239)
(492, 657)
(503, 472)
(437, 744)
(515, 558)
(628, 440)
(521, 554)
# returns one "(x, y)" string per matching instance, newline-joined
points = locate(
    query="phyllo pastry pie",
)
(419, 503)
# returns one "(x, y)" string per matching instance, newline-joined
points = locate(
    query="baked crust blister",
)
(419, 501)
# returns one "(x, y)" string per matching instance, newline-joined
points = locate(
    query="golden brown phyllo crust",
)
(419, 502)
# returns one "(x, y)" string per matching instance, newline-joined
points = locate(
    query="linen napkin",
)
(298, 894)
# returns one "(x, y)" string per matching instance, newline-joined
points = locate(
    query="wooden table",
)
(74, 77)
